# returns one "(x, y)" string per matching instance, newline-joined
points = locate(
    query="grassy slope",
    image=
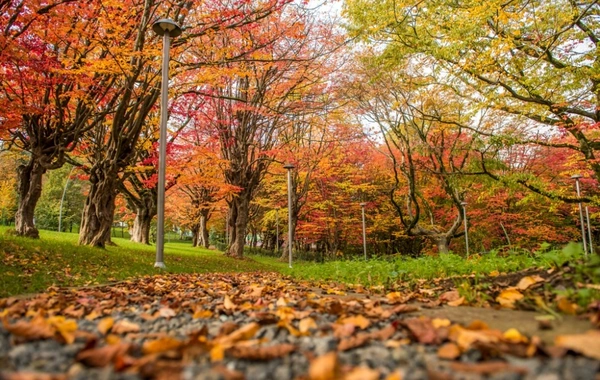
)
(58, 260)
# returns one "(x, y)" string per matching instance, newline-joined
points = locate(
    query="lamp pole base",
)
(160, 264)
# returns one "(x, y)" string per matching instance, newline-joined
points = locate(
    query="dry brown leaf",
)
(243, 333)
(261, 353)
(587, 344)
(105, 325)
(71, 311)
(124, 326)
(353, 342)
(508, 297)
(166, 312)
(449, 296)
(325, 367)
(357, 320)
(487, 368)
(457, 302)
(395, 297)
(527, 281)
(65, 327)
(202, 314)
(37, 328)
(362, 373)
(422, 329)
(449, 351)
(103, 356)
(161, 345)
(465, 338)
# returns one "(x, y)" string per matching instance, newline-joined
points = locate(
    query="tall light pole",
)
(277, 230)
(167, 29)
(289, 168)
(364, 230)
(62, 199)
(464, 209)
(583, 239)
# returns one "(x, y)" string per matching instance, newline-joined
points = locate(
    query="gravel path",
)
(254, 326)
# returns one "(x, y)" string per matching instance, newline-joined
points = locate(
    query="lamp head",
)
(363, 204)
(166, 26)
(288, 166)
(576, 176)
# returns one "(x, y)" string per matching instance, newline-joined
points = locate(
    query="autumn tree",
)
(259, 90)
(533, 63)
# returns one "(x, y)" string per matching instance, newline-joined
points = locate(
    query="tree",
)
(534, 64)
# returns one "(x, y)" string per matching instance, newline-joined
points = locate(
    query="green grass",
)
(29, 266)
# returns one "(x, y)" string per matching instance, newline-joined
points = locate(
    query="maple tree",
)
(267, 75)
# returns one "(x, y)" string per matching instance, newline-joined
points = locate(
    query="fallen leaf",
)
(566, 306)
(527, 281)
(362, 373)
(449, 351)
(261, 353)
(422, 329)
(205, 314)
(71, 311)
(105, 324)
(37, 328)
(358, 321)
(124, 326)
(32, 376)
(449, 296)
(439, 322)
(353, 342)
(494, 273)
(325, 367)
(65, 327)
(587, 344)
(161, 345)
(228, 303)
(465, 338)
(166, 312)
(457, 302)
(103, 356)
(508, 297)
(243, 333)
(514, 336)
(306, 324)
(487, 368)
(395, 297)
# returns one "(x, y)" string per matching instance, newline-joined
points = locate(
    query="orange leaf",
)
(324, 367)
(362, 373)
(101, 357)
(449, 351)
(124, 327)
(527, 281)
(457, 302)
(203, 314)
(587, 344)
(161, 345)
(261, 353)
(37, 328)
(306, 324)
(228, 303)
(508, 297)
(357, 320)
(566, 306)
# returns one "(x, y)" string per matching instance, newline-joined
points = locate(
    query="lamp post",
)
(289, 168)
(364, 231)
(62, 199)
(583, 239)
(277, 230)
(464, 204)
(167, 29)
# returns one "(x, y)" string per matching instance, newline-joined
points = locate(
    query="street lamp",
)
(277, 230)
(167, 29)
(289, 168)
(576, 178)
(464, 204)
(362, 206)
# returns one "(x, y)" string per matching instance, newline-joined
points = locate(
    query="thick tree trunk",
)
(99, 209)
(443, 244)
(203, 230)
(141, 226)
(30, 190)
(238, 222)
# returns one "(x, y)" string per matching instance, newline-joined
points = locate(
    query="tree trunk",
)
(99, 208)
(443, 244)
(141, 226)
(203, 229)
(30, 190)
(239, 221)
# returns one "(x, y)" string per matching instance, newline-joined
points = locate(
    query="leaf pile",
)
(243, 317)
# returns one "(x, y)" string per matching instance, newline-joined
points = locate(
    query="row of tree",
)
(439, 105)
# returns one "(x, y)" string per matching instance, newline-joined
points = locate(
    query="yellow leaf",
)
(66, 327)
(514, 336)
(203, 314)
(508, 297)
(217, 353)
(394, 297)
(439, 322)
(324, 367)
(494, 273)
(105, 324)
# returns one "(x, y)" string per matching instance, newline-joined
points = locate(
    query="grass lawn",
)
(30, 266)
